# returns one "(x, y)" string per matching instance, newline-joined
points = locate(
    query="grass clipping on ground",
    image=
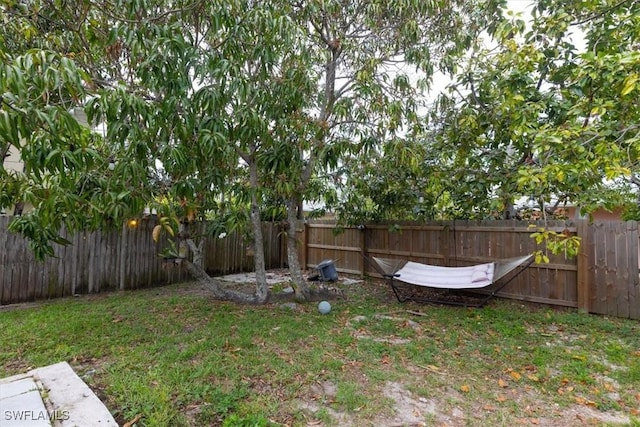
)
(174, 356)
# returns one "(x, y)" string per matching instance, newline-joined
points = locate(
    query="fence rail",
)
(110, 260)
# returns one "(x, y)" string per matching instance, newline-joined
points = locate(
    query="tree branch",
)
(601, 13)
(216, 287)
(159, 17)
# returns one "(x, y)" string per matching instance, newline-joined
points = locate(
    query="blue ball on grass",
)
(324, 307)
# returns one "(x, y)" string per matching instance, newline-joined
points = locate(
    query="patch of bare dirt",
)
(16, 366)
(410, 410)
(320, 397)
(19, 306)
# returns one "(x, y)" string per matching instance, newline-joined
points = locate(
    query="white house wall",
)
(13, 162)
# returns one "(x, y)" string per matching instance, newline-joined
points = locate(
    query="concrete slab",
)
(70, 397)
(21, 404)
(272, 278)
(19, 386)
(51, 396)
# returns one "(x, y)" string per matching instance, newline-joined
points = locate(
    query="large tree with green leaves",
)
(163, 80)
(371, 60)
(542, 106)
(547, 109)
(44, 78)
(208, 102)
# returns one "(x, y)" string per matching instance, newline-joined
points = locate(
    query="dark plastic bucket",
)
(327, 271)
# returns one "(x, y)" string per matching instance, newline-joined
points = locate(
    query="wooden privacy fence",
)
(110, 260)
(602, 279)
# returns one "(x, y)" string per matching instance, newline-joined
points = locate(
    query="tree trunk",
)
(509, 211)
(197, 251)
(196, 269)
(216, 288)
(262, 289)
(4, 153)
(300, 208)
(300, 287)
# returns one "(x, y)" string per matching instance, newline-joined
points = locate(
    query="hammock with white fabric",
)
(453, 278)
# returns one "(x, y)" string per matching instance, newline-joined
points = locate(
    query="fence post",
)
(583, 282)
(363, 249)
(444, 239)
(283, 245)
(305, 244)
(122, 247)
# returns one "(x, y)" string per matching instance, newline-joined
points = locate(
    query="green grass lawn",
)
(173, 357)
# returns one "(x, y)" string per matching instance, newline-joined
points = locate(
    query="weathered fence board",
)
(111, 260)
(615, 286)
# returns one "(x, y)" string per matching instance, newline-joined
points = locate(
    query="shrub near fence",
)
(111, 260)
(602, 279)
